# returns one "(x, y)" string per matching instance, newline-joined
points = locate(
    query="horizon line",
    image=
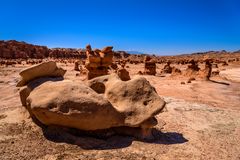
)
(134, 50)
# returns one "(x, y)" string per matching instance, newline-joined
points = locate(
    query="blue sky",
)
(153, 26)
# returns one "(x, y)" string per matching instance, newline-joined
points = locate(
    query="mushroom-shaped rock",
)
(70, 104)
(45, 69)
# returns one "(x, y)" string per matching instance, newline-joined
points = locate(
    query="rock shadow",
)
(224, 83)
(38, 81)
(106, 139)
(168, 138)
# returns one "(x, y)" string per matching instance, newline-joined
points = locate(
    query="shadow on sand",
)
(106, 140)
(224, 83)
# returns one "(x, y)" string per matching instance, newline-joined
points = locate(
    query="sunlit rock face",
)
(98, 61)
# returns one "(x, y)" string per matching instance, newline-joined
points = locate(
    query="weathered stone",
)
(136, 98)
(176, 71)
(98, 62)
(206, 72)
(76, 66)
(72, 104)
(123, 74)
(167, 68)
(46, 69)
(149, 66)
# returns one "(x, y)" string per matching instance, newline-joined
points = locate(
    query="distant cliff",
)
(13, 50)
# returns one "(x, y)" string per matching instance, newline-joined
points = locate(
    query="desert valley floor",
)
(202, 122)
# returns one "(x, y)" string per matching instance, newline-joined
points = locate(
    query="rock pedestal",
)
(206, 72)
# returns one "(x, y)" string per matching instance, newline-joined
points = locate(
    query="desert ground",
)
(202, 121)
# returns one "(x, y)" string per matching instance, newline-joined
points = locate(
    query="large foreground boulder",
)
(104, 102)
(71, 104)
(46, 69)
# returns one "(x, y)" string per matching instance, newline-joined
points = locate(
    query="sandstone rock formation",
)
(105, 102)
(193, 66)
(98, 83)
(74, 105)
(167, 68)
(149, 66)
(13, 49)
(206, 72)
(46, 69)
(98, 61)
(76, 66)
(192, 69)
(176, 71)
(114, 66)
(123, 74)
(138, 100)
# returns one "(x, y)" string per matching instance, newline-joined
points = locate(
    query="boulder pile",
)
(98, 61)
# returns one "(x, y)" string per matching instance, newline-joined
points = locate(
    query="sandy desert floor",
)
(202, 122)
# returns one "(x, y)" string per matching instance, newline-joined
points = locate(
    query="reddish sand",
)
(202, 122)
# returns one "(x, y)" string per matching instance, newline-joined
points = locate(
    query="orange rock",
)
(149, 66)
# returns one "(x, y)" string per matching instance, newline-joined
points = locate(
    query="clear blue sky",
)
(151, 26)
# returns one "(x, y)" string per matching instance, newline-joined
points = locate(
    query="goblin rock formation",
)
(206, 72)
(167, 68)
(98, 61)
(76, 66)
(149, 66)
(176, 71)
(192, 69)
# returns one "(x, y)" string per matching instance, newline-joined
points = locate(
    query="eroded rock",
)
(72, 104)
(45, 69)
(98, 61)
(123, 74)
(136, 98)
(149, 66)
